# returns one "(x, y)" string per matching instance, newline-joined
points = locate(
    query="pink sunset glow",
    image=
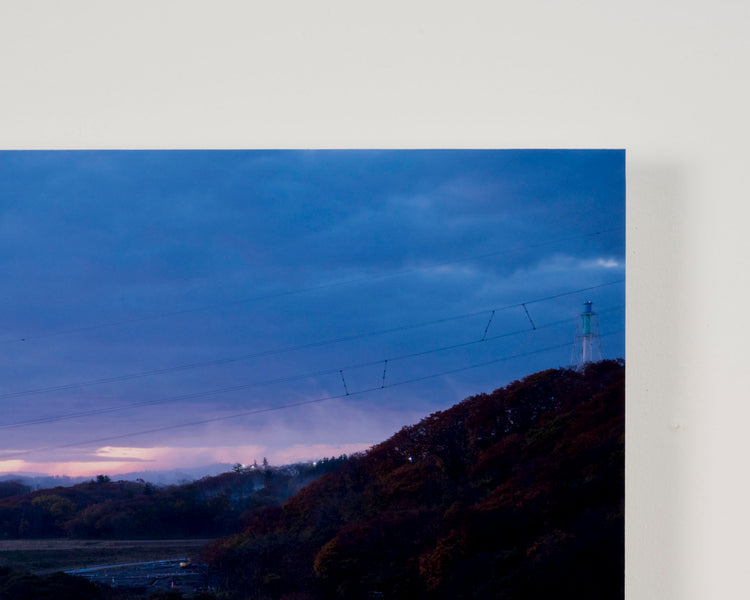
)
(121, 460)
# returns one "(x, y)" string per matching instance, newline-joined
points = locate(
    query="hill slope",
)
(107, 509)
(514, 494)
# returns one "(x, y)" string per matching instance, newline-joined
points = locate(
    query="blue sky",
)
(140, 286)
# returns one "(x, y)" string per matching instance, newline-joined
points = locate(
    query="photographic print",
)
(312, 374)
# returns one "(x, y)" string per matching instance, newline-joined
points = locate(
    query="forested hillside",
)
(102, 508)
(514, 494)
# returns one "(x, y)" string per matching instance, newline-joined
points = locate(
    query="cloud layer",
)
(146, 291)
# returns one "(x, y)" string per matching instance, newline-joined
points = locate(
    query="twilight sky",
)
(169, 309)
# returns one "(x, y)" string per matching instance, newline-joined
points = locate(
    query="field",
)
(47, 556)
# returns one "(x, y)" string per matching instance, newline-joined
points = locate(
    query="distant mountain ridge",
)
(39, 481)
(101, 508)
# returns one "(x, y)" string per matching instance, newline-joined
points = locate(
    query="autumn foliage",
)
(514, 494)
(106, 509)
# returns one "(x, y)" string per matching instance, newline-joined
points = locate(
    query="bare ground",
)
(46, 556)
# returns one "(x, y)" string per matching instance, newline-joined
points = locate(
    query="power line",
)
(397, 273)
(526, 310)
(285, 406)
(270, 352)
(287, 379)
(492, 314)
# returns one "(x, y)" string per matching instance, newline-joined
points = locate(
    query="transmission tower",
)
(587, 346)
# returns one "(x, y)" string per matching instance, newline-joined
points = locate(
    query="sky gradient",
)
(169, 309)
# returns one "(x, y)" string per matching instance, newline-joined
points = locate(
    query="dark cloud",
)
(140, 267)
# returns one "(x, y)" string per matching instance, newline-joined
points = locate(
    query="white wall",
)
(665, 80)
